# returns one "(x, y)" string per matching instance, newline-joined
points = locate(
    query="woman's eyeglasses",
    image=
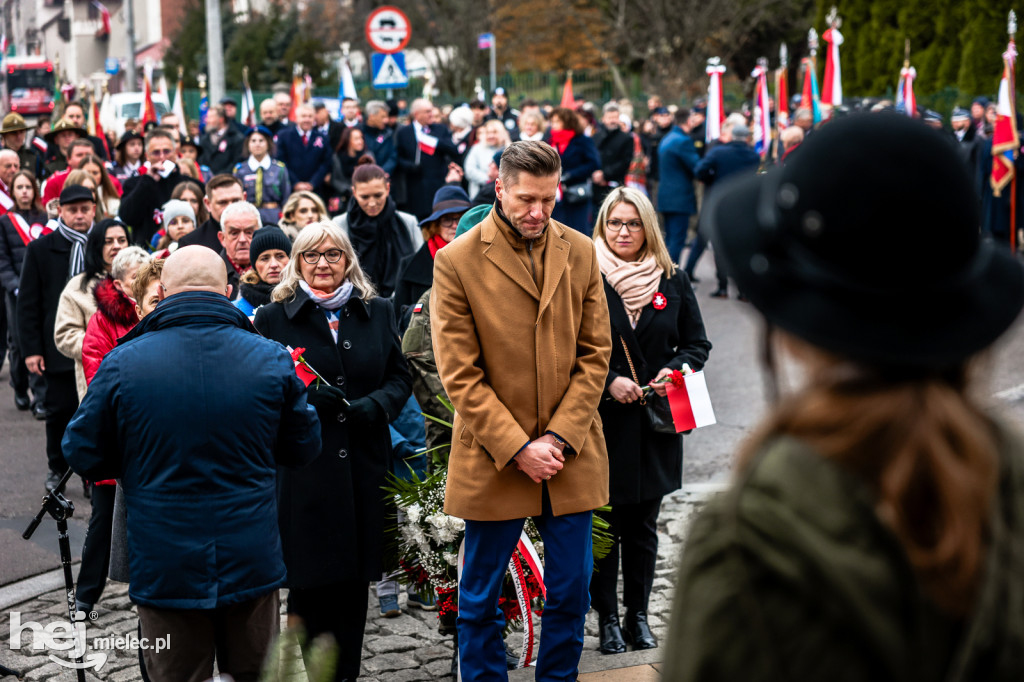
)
(617, 225)
(330, 255)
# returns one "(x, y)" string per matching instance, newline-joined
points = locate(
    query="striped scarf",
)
(77, 239)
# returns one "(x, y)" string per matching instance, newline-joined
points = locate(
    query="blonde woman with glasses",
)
(656, 328)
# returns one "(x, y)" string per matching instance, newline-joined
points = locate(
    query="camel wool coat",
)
(518, 361)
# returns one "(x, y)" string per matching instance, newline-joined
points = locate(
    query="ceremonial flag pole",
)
(248, 103)
(781, 97)
(716, 108)
(810, 98)
(346, 84)
(1005, 138)
(832, 88)
(204, 102)
(762, 120)
(148, 109)
(905, 99)
(178, 107)
(568, 98)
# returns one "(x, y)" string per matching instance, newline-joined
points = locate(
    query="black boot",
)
(637, 632)
(611, 635)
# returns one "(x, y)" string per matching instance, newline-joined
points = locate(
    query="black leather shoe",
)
(611, 636)
(637, 632)
(22, 401)
(52, 479)
(39, 412)
(720, 293)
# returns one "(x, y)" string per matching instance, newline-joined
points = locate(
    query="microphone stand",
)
(60, 510)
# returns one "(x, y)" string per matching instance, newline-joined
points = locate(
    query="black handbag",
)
(656, 407)
(579, 193)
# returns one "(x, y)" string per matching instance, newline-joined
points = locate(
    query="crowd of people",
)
(235, 255)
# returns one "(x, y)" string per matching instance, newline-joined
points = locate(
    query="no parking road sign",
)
(388, 30)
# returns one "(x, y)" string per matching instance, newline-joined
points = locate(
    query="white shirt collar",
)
(264, 164)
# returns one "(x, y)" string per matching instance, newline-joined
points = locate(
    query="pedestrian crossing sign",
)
(389, 71)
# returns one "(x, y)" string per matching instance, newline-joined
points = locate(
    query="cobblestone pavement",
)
(403, 649)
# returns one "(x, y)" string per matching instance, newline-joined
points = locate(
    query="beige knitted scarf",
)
(635, 282)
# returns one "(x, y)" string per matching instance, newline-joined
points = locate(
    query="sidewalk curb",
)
(31, 588)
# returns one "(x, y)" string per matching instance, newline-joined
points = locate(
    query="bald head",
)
(194, 268)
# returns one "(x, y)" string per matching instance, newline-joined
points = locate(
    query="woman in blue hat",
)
(265, 179)
(417, 271)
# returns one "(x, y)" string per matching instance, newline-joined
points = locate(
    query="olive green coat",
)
(426, 384)
(790, 575)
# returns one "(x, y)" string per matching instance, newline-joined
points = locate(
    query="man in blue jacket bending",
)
(193, 411)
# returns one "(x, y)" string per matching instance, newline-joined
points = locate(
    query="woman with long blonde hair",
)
(656, 328)
(875, 527)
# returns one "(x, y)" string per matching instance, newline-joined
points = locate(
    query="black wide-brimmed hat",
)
(866, 244)
(128, 136)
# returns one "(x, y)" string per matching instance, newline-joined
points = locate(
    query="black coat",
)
(643, 464)
(43, 276)
(615, 148)
(142, 198)
(204, 235)
(416, 275)
(12, 249)
(333, 512)
(422, 174)
(222, 156)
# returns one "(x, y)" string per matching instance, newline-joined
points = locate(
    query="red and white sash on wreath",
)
(28, 232)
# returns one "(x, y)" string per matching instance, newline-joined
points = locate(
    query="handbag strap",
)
(643, 400)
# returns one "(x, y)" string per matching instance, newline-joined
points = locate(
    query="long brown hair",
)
(920, 442)
(37, 204)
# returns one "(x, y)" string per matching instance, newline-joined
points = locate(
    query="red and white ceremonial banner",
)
(690, 403)
(1005, 138)
(716, 107)
(832, 86)
(28, 233)
(782, 90)
(762, 117)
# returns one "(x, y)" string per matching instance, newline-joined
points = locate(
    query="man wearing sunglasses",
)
(145, 193)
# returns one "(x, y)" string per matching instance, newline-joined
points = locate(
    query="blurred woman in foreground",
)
(875, 527)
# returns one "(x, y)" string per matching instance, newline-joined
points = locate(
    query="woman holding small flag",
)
(332, 512)
(875, 524)
(656, 328)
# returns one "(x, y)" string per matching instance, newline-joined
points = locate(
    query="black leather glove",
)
(324, 396)
(364, 410)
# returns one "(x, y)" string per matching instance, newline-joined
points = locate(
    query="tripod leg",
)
(69, 585)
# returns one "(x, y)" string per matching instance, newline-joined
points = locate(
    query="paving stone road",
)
(403, 649)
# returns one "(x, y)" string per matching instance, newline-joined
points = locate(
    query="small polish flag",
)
(427, 142)
(690, 403)
(302, 370)
(418, 308)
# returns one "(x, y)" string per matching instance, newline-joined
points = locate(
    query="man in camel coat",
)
(522, 343)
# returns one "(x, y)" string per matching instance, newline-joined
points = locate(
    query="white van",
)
(128, 105)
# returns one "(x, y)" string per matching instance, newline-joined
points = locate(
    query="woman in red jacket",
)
(115, 316)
